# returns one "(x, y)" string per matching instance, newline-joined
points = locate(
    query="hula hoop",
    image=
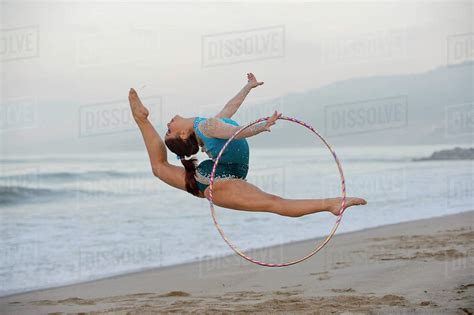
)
(339, 217)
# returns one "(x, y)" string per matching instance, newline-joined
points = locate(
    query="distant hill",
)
(452, 154)
(435, 107)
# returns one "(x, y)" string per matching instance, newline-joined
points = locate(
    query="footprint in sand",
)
(175, 294)
(349, 290)
(322, 275)
(428, 303)
(342, 264)
(463, 288)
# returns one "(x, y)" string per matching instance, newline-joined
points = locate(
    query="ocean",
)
(72, 218)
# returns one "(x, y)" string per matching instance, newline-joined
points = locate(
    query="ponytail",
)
(183, 148)
(190, 167)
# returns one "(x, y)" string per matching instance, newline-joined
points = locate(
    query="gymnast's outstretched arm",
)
(216, 128)
(233, 105)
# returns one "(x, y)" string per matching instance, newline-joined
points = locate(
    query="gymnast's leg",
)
(171, 174)
(241, 195)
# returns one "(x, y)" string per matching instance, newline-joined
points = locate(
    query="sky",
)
(64, 63)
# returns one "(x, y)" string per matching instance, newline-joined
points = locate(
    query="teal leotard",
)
(234, 162)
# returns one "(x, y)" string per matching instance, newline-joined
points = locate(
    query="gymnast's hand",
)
(271, 121)
(252, 81)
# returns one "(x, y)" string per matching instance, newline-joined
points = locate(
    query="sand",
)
(418, 267)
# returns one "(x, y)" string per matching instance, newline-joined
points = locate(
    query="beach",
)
(417, 267)
(98, 213)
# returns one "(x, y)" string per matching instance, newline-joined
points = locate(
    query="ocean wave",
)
(22, 194)
(71, 176)
(329, 159)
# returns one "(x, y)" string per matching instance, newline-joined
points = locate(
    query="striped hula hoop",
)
(339, 217)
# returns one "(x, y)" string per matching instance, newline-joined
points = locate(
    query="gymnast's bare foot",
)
(139, 112)
(335, 203)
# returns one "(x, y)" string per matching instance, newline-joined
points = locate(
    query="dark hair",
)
(183, 148)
